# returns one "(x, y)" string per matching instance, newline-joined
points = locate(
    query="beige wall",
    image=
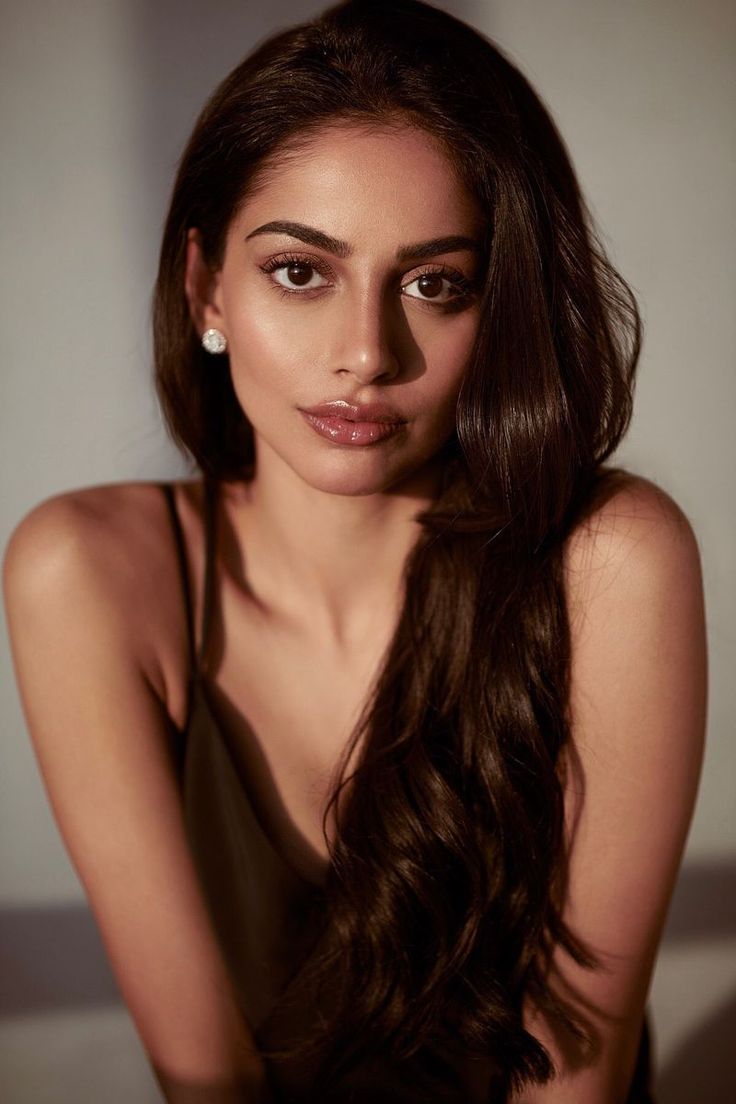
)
(97, 98)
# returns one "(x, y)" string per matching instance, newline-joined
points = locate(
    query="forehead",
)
(356, 180)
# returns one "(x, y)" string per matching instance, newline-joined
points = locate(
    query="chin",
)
(364, 474)
(351, 478)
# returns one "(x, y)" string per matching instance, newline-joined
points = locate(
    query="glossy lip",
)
(340, 431)
(355, 412)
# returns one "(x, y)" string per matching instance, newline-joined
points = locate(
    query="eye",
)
(295, 275)
(440, 286)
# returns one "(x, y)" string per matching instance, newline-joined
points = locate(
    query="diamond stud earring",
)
(214, 341)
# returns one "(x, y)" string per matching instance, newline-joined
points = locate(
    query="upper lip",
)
(356, 412)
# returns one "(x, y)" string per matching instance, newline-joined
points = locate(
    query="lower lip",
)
(343, 432)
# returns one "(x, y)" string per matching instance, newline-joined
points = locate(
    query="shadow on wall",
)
(53, 959)
(183, 50)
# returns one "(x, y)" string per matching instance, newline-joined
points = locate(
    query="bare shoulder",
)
(634, 540)
(101, 551)
(639, 662)
(106, 539)
(85, 525)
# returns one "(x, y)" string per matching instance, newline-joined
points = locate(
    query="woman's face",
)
(367, 296)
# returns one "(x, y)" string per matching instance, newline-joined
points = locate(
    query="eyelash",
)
(462, 284)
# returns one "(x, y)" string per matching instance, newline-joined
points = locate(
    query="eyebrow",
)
(416, 251)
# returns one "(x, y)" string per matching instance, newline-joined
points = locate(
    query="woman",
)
(376, 745)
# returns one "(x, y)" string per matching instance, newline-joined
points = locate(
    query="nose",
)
(367, 345)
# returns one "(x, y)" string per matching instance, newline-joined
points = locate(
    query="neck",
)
(327, 565)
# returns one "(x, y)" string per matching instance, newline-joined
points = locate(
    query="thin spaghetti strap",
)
(168, 490)
(208, 587)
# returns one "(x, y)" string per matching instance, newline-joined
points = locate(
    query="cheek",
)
(265, 344)
(447, 350)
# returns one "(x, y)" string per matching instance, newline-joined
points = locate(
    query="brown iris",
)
(430, 284)
(299, 273)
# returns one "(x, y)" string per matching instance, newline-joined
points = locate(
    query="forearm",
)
(253, 1087)
(234, 1074)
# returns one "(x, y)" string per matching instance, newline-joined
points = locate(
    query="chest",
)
(289, 708)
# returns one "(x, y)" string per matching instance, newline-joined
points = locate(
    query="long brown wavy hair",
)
(445, 892)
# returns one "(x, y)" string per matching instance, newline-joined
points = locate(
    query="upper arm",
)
(637, 706)
(102, 740)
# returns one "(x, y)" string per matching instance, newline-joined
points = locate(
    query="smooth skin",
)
(310, 561)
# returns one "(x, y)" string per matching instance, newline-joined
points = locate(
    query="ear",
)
(202, 287)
